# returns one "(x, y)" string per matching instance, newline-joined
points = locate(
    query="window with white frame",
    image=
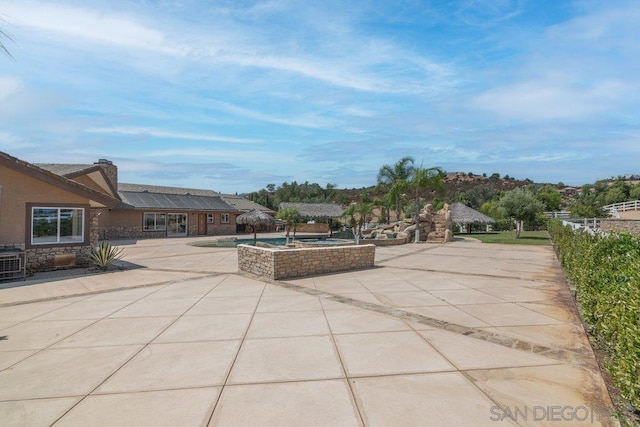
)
(210, 218)
(153, 221)
(224, 218)
(56, 225)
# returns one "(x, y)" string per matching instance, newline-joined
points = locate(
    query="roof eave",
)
(100, 200)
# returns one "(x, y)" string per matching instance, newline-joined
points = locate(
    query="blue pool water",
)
(278, 241)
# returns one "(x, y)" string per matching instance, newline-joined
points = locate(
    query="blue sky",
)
(233, 95)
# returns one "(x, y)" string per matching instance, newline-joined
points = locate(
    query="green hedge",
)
(606, 273)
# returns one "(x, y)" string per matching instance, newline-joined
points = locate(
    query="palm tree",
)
(363, 210)
(2, 46)
(350, 217)
(288, 215)
(421, 178)
(356, 214)
(395, 178)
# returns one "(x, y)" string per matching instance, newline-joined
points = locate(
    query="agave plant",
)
(104, 255)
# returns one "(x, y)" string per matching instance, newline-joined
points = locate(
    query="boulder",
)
(448, 236)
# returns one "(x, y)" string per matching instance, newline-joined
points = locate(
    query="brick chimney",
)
(110, 170)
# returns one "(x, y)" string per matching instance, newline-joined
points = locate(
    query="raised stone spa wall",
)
(305, 244)
(279, 264)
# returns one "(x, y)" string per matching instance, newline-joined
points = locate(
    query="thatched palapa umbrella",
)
(463, 216)
(255, 218)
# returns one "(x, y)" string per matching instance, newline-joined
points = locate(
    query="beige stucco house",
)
(54, 213)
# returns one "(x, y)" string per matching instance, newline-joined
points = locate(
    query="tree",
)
(478, 195)
(421, 179)
(550, 197)
(492, 209)
(395, 178)
(587, 204)
(289, 216)
(356, 214)
(363, 210)
(520, 205)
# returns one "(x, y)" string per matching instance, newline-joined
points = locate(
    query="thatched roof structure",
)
(255, 217)
(245, 205)
(463, 215)
(315, 210)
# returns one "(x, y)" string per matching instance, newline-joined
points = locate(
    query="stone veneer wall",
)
(299, 262)
(627, 225)
(303, 244)
(115, 233)
(43, 259)
(318, 227)
(386, 242)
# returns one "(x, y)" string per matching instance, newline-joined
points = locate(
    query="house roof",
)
(133, 196)
(245, 205)
(148, 200)
(96, 198)
(315, 210)
(140, 188)
(67, 169)
(463, 214)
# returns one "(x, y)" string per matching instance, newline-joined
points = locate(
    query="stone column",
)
(94, 234)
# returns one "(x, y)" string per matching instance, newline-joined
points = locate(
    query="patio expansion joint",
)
(235, 359)
(494, 338)
(459, 273)
(419, 251)
(104, 291)
(35, 319)
(144, 346)
(344, 369)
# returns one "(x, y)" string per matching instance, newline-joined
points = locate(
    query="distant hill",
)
(455, 183)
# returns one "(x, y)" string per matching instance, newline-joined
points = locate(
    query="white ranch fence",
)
(615, 209)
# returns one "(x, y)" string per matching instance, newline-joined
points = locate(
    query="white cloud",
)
(219, 155)
(10, 142)
(88, 25)
(9, 86)
(310, 120)
(341, 58)
(549, 100)
(485, 13)
(161, 133)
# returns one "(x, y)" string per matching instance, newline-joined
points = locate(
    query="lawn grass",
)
(509, 237)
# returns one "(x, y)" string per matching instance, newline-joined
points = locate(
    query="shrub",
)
(606, 273)
(104, 255)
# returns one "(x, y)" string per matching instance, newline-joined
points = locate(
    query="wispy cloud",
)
(551, 100)
(161, 133)
(9, 86)
(486, 13)
(89, 25)
(310, 120)
(325, 90)
(10, 142)
(353, 62)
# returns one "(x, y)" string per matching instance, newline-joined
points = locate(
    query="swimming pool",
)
(278, 241)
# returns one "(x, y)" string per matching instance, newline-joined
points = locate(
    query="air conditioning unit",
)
(12, 264)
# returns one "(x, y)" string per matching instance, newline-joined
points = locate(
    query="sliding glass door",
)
(176, 225)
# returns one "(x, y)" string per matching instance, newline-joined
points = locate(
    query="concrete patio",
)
(463, 334)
